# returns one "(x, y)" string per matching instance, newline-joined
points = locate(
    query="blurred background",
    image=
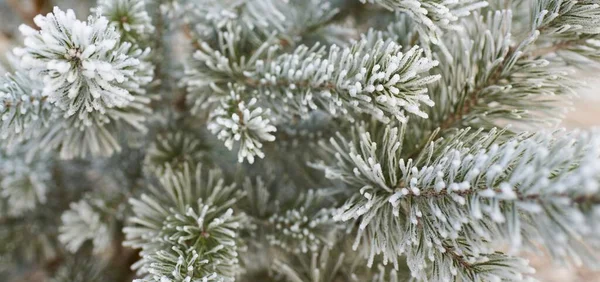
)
(585, 112)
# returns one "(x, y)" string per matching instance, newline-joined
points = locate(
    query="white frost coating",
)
(83, 222)
(516, 190)
(235, 121)
(371, 76)
(186, 229)
(23, 183)
(80, 68)
(127, 16)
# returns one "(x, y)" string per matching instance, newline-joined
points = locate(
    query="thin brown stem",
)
(457, 257)
(9, 104)
(472, 98)
(556, 47)
(430, 192)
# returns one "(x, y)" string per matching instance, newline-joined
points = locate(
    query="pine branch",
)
(468, 176)
(199, 240)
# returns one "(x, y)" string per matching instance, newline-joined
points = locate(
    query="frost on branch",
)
(82, 222)
(22, 107)
(215, 67)
(372, 76)
(186, 228)
(24, 181)
(306, 227)
(464, 193)
(235, 121)
(75, 87)
(129, 17)
(570, 28)
(488, 80)
(432, 16)
(175, 149)
(80, 63)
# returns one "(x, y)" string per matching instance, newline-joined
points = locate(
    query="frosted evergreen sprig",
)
(183, 265)
(82, 267)
(186, 229)
(79, 63)
(129, 17)
(322, 265)
(22, 108)
(371, 76)
(214, 67)
(306, 227)
(82, 222)
(30, 115)
(524, 190)
(175, 149)
(487, 81)
(247, 123)
(568, 19)
(567, 28)
(24, 181)
(432, 16)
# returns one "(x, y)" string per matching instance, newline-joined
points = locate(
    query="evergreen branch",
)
(440, 207)
(187, 230)
(470, 177)
(383, 84)
(504, 73)
(129, 17)
(236, 121)
(23, 108)
(554, 21)
(90, 87)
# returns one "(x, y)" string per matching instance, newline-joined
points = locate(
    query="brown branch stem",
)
(556, 47)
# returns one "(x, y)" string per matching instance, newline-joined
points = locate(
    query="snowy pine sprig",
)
(79, 62)
(82, 222)
(76, 102)
(24, 180)
(432, 16)
(372, 76)
(174, 149)
(22, 107)
(487, 79)
(473, 190)
(569, 29)
(129, 17)
(236, 121)
(305, 227)
(187, 228)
